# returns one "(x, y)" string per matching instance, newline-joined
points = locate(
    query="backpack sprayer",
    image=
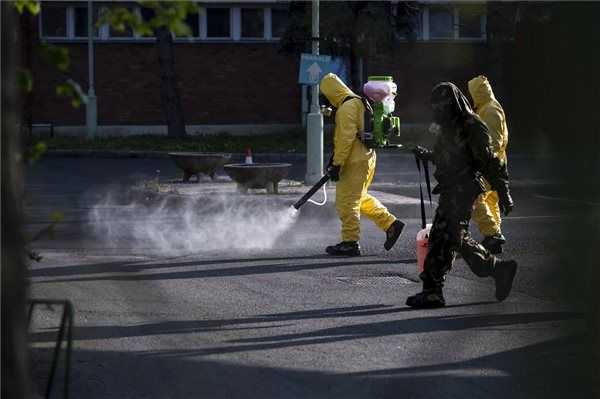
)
(381, 90)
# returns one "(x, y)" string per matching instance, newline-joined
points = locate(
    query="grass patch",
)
(291, 142)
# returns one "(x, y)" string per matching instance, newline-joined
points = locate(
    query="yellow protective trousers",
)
(486, 213)
(352, 199)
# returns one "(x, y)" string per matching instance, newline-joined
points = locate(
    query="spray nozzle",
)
(326, 111)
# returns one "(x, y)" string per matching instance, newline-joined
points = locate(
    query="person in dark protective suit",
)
(463, 157)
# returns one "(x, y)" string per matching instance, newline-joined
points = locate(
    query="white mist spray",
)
(207, 223)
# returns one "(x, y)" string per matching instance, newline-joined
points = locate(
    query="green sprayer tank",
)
(381, 90)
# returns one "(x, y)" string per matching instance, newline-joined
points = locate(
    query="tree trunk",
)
(169, 93)
(15, 368)
(356, 73)
(356, 50)
(501, 28)
(26, 38)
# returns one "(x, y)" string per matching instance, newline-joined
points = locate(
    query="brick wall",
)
(236, 83)
(220, 84)
(417, 67)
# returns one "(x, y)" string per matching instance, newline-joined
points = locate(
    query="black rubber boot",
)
(504, 274)
(344, 248)
(427, 299)
(392, 234)
(494, 243)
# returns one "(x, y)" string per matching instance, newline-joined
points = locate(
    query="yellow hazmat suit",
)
(486, 212)
(357, 162)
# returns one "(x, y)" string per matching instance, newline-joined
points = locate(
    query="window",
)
(80, 15)
(225, 22)
(410, 25)
(54, 21)
(470, 23)
(218, 23)
(441, 22)
(147, 14)
(279, 22)
(193, 22)
(128, 32)
(253, 23)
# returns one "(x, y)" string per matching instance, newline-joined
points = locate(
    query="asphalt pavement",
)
(223, 295)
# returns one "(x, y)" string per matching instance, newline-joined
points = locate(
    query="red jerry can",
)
(422, 247)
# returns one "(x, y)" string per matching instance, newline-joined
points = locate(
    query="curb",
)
(267, 157)
(104, 154)
(119, 154)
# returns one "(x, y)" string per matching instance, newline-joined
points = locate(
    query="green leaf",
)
(36, 151)
(57, 217)
(78, 90)
(181, 29)
(25, 80)
(31, 6)
(72, 90)
(57, 56)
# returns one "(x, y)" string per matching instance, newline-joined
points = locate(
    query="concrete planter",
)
(194, 163)
(258, 175)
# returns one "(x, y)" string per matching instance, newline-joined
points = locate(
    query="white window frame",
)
(426, 34)
(269, 24)
(235, 26)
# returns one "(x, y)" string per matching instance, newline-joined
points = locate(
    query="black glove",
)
(329, 163)
(422, 153)
(505, 201)
(334, 172)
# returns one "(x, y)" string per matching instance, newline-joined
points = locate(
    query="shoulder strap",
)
(427, 181)
(364, 101)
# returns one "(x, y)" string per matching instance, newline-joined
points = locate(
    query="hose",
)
(324, 197)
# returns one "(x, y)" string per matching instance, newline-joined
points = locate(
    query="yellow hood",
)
(481, 91)
(335, 90)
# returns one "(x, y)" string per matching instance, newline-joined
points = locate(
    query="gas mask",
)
(435, 129)
(448, 104)
(443, 112)
(443, 104)
(325, 106)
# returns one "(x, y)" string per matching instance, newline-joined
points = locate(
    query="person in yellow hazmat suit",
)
(353, 167)
(486, 212)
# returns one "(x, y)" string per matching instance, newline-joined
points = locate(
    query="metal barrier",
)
(49, 125)
(66, 326)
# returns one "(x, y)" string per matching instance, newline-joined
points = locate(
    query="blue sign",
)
(313, 68)
(338, 66)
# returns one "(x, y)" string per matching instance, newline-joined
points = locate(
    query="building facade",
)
(232, 70)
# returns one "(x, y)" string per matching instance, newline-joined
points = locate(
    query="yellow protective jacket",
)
(491, 112)
(357, 162)
(349, 122)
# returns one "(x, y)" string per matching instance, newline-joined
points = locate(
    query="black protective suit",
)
(462, 155)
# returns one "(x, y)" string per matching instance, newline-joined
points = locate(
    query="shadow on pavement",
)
(546, 370)
(488, 321)
(136, 266)
(223, 272)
